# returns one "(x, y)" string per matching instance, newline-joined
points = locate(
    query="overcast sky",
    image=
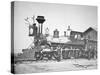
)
(58, 16)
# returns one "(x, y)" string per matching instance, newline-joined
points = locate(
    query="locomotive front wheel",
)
(38, 56)
(49, 57)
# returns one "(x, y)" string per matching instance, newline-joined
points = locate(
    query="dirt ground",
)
(54, 66)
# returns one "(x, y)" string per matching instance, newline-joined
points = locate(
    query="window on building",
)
(79, 36)
(88, 36)
(75, 36)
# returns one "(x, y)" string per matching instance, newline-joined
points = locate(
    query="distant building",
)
(90, 35)
(76, 35)
(56, 34)
(67, 32)
(86, 40)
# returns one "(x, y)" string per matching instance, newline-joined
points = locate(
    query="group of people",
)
(69, 53)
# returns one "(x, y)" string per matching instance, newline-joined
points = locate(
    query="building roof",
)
(90, 28)
(95, 28)
(87, 30)
(76, 32)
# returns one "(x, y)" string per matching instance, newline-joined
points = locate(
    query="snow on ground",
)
(53, 66)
